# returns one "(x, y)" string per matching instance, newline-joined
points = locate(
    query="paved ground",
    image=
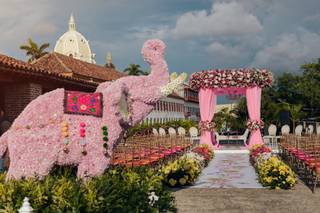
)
(233, 200)
(228, 170)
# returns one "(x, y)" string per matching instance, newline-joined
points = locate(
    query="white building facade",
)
(177, 106)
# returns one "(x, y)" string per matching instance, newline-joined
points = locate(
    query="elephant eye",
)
(124, 107)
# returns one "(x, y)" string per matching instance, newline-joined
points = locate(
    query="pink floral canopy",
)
(248, 82)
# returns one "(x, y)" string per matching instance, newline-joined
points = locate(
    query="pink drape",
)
(253, 95)
(207, 102)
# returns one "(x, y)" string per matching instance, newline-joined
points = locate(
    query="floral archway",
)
(248, 82)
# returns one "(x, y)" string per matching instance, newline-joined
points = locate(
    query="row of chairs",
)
(272, 138)
(193, 131)
(302, 153)
(150, 149)
(299, 130)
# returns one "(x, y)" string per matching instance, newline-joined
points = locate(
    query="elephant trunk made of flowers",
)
(81, 129)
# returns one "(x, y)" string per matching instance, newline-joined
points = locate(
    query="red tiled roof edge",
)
(78, 67)
(18, 66)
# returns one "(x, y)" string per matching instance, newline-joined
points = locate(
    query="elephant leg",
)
(14, 171)
(29, 166)
(92, 166)
(18, 170)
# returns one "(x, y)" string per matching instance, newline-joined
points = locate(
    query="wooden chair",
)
(285, 129)
(310, 129)
(318, 131)
(194, 135)
(181, 131)
(155, 132)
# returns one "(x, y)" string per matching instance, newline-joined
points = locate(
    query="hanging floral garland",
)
(206, 126)
(254, 125)
(231, 78)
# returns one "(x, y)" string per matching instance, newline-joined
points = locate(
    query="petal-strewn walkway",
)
(228, 170)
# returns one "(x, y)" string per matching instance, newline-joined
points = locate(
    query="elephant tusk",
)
(173, 85)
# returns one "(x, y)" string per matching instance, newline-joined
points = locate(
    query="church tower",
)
(74, 44)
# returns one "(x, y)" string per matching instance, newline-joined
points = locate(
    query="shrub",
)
(186, 169)
(183, 171)
(272, 172)
(275, 174)
(118, 190)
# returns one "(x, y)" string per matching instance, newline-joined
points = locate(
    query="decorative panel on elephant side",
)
(83, 103)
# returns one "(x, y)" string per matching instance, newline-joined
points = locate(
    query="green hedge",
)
(175, 124)
(118, 190)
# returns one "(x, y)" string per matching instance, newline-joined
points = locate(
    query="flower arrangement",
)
(197, 157)
(254, 125)
(183, 171)
(204, 151)
(272, 172)
(258, 149)
(275, 174)
(174, 84)
(186, 169)
(258, 154)
(206, 126)
(40, 122)
(231, 78)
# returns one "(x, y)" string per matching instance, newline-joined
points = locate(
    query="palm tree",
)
(134, 69)
(33, 50)
(225, 117)
(295, 112)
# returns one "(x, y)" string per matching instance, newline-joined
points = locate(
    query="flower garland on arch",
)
(206, 126)
(231, 78)
(254, 125)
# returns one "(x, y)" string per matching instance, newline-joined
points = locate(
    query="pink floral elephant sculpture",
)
(44, 135)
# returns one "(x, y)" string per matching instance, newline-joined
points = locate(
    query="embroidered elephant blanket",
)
(83, 103)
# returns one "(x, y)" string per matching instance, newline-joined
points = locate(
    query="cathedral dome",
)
(74, 44)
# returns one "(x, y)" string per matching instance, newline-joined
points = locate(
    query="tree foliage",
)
(33, 50)
(135, 69)
(298, 94)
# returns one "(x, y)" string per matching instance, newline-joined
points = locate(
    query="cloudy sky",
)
(200, 34)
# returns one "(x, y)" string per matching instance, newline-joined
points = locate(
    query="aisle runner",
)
(228, 170)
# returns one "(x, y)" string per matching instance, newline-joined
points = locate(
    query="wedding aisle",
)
(228, 170)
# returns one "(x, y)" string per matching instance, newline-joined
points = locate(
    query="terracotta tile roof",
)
(13, 65)
(66, 65)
